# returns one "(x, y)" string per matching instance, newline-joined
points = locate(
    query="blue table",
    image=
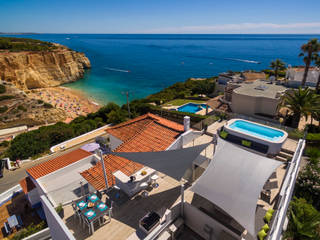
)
(99, 210)
(13, 221)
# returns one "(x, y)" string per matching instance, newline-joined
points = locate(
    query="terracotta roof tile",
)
(27, 185)
(57, 163)
(143, 134)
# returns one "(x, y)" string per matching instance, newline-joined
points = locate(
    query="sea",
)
(142, 64)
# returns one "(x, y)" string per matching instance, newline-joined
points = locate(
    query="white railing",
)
(41, 235)
(80, 136)
(286, 192)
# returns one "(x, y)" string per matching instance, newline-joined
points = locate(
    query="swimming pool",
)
(261, 131)
(192, 107)
(272, 137)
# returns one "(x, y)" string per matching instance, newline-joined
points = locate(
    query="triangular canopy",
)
(233, 181)
(173, 163)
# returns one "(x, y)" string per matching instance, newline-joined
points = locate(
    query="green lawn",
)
(178, 102)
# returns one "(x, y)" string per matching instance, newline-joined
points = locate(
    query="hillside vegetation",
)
(24, 44)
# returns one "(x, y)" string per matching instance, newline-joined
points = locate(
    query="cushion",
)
(268, 217)
(265, 227)
(270, 211)
(246, 143)
(262, 234)
(223, 134)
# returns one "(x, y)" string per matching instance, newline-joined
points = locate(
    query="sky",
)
(160, 16)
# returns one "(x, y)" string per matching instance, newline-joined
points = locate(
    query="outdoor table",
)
(13, 221)
(94, 213)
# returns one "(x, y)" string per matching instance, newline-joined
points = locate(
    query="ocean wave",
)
(230, 59)
(116, 69)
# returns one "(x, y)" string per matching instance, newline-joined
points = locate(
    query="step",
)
(287, 151)
(285, 155)
(282, 159)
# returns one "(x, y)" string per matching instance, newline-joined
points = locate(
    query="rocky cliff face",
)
(29, 70)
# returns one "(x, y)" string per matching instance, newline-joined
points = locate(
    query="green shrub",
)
(304, 221)
(31, 229)
(24, 44)
(4, 144)
(22, 108)
(295, 134)
(313, 137)
(39, 101)
(6, 97)
(2, 88)
(3, 109)
(47, 105)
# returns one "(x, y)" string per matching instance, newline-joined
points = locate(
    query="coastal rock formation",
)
(38, 69)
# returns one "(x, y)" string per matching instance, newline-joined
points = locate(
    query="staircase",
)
(284, 155)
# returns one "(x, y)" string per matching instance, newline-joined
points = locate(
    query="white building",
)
(294, 76)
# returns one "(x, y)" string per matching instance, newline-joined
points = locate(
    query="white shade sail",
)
(173, 163)
(233, 181)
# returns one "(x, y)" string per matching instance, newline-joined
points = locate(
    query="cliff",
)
(17, 108)
(38, 69)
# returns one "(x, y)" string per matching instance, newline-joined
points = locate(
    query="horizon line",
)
(25, 33)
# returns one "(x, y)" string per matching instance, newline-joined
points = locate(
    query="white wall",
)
(114, 142)
(250, 105)
(295, 78)
(60, 186)
(58, 229)
(197, 220)
(33, 197)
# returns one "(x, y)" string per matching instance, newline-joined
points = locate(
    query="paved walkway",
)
(215, 126)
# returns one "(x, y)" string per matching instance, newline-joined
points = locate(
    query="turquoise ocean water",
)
(144, 64)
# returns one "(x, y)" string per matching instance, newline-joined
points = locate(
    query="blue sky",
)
(160, 16)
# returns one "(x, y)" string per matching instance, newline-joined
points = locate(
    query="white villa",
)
(294, 76)
(167, 181)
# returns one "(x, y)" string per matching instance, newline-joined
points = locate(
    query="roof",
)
(57, 163)
(146, 133)
(127, 130)
(259, 89)
(233, 181)
(27, 185)
(252, 76)
(302, 68)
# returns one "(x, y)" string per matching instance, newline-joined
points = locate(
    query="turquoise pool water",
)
(257, 130)
(191, 107)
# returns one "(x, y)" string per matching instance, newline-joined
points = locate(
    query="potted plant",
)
(60, 210)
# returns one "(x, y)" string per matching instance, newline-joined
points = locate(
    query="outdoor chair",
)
(19, 221)
(99, 195)
(86, 223)
(7, 228)
(266, 196)
(77, 213)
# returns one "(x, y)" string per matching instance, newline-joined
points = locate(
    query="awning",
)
(173, 163)
(233, 181)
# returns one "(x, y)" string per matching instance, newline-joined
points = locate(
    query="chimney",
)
(186, 123)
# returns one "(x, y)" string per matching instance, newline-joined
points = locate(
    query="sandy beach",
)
(73, 102)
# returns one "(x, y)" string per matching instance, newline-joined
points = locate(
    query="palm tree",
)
(317, 63)
(277, 65)
(301, 102)
(309, 52)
